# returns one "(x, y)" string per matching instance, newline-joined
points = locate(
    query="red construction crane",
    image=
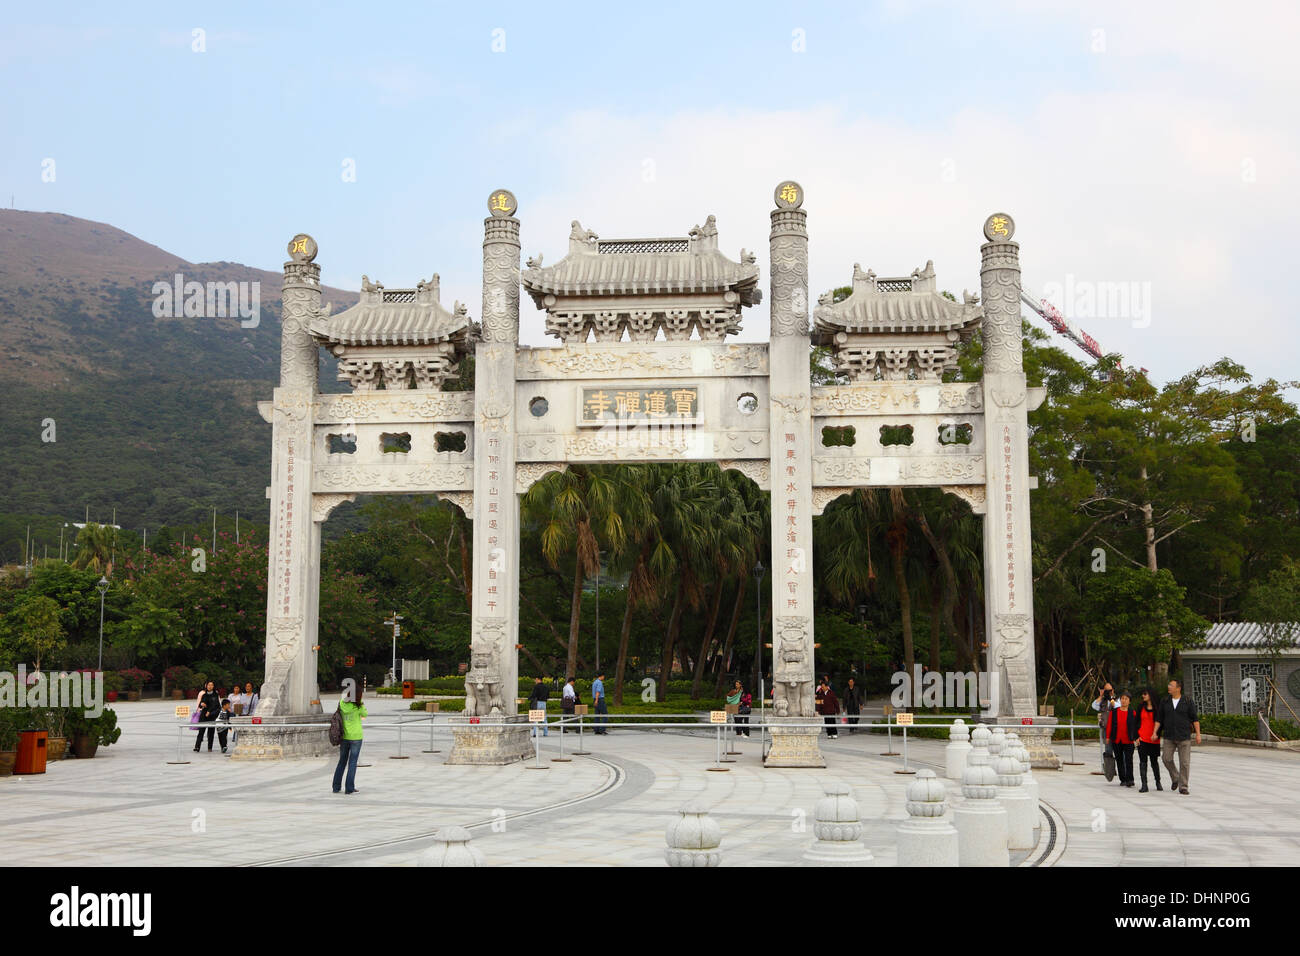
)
(1053, 317)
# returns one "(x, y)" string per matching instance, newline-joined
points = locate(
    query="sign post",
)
(905, 720)
(536, 717)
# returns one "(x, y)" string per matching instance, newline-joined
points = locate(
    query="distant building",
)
(1217, 671)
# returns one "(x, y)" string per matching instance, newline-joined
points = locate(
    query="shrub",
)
(9, 728)
(134, 679)
(104, 727)
(180, 677)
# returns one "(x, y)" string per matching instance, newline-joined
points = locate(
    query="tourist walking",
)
(852, 704)
(568, 700)
(350, 745)
(598, 698)
(828, 705)
(1103, 705)
(209, 707)
(1148, 739)
(1122, 733)
(741, 701)
(537, 701)
(1176, 719)
(223, 718)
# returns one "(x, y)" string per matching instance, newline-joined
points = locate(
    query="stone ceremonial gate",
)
(645, 373)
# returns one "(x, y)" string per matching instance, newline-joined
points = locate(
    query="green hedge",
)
(1243, 726)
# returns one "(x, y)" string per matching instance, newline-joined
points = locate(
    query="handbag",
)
(1108, 766)
(194, 717)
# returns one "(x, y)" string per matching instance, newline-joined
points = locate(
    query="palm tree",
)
(95, 542)
(579, 509)
(680, 501)
(735, 535)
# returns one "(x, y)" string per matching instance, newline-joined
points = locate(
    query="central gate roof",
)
(665, 266)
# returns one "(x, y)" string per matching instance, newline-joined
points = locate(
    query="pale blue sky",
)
(1147, 146)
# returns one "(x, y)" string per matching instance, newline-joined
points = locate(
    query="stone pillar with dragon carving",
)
(497, 735)
(1008, 567)
(289, 693)
(790, 432)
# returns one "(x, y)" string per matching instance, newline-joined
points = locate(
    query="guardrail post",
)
(180, 733)
(1072, 762)
(717, 760)
(433, 719)
(398, 755)
(904, 770)
(580, 752)
(889, 732)
(561, 758)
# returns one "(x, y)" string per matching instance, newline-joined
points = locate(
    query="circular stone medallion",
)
(999, 227)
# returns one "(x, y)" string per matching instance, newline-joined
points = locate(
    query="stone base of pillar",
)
(1037, 738)
(981, 833)
(794, 746)
(269, 741)
(492, 742)
(923, 842)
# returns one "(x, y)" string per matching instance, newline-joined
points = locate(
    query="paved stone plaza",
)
(128, 806)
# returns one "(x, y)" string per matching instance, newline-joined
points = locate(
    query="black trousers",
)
(221, 738)
(742, 724)
(831, 727)
(853, 720)
(1124, 762)
(211, 733)
(1149, 754)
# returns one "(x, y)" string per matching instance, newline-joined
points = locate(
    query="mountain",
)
(152, 416)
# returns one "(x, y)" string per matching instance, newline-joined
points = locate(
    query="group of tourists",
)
(570, 699)
(1156, 727)
(215, 709)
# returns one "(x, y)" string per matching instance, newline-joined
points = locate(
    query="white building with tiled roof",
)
(1235, 654)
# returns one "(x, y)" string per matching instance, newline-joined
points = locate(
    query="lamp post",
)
(759, 571)
(102, 588)
(397, 629)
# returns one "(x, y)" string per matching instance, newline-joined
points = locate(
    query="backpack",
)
(336, 727)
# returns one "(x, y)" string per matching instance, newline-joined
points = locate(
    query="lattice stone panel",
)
(615, 248)
(1207, 688)
(1262, 673)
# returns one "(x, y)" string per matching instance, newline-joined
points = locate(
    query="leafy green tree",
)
(1134, 618)
(32, 625)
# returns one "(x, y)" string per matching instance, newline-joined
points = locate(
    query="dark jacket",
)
(210, 706)
(829, 704)
(852, 700)
(1176, 722)
(1134, 722)
(541, 694)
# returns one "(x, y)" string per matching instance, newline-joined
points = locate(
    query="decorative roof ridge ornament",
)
(581, 241)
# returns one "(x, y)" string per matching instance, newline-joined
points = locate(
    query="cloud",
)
(1109, 186)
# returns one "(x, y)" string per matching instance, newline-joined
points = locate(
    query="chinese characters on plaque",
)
(1009, 505)
(286, 530)
(678, 403)
(793, 553)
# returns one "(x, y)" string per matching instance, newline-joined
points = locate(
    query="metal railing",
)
(694, 720)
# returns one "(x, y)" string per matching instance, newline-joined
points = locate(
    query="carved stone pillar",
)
(293, 590)
(1008, 569)
(790, 432)
(491, 684)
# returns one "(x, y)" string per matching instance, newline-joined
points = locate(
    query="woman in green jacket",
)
(350, 747)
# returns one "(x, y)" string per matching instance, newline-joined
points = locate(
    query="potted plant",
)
(180, 679)
(8, 740)
(133, 681)
(90, 733)
(53, 721)
(113, 685)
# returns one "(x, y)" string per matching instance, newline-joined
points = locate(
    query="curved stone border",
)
(619, 775)
(1051, 838)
